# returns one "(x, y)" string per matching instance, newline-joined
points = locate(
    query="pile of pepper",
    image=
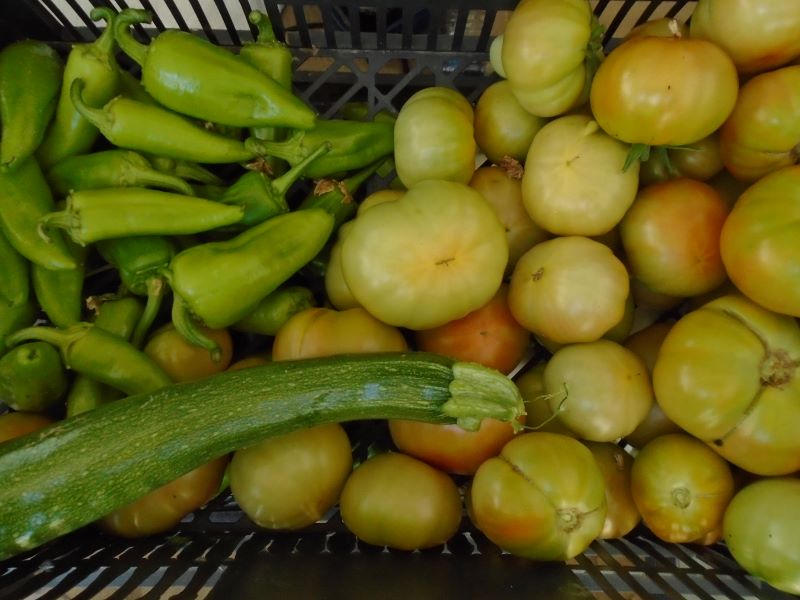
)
(176, 182)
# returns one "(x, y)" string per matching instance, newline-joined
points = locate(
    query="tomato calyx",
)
(594, 50)
(681, 497)
(777, 368)
(512, 167)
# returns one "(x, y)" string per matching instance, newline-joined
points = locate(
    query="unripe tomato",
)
(615, 465)
(538, 414)
(699, 161)
(336, 288)
(182, 360)
(664, 91)
(17, 424)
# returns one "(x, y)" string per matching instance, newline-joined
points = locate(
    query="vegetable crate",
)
(378, 52)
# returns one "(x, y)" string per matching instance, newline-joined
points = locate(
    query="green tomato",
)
(573, 182)
(435, 255)
(761, 528)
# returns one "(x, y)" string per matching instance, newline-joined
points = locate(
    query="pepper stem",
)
(62, 339)
(478, 393)
(105, 42)
(287, 150)
(156, 290)
(185, 325)
(282, 184)
(122, 33)
(61, 219)
(266, 35)
(96, 116)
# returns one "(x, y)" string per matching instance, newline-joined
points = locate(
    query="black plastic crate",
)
(378, 51)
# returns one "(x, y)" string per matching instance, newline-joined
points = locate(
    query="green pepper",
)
(131, 87)
(101, 355)
(93, 215)
(141, 262)
(273, 58)
(25, 197)
(32, 377)
(150, 128)
(184, 169)
(69, 133)
(354, 144)
(110, 168)
(118, 317)
(275, 309)
(262, 197)
(14, 279)
(222, 282)
(194, 77)
(30, 77)
(14, 318)
(60, 292)
(336, 197)
(210, 191)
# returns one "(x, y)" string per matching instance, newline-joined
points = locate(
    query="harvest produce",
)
(556, 305)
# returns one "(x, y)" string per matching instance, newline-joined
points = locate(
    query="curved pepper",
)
(262, 197)
(149, 128)
(108, 358)
(194, 77)
(93, 215)
(25, 198)
(118, 317)
(14, 279)
(354, 145)
(110, 168)
(275, 309)
(30, 77)
(141, 262)
(69, 133)
(60, 292)
(244, 270)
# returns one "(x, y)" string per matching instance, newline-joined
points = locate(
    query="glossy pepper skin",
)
(14, 278)
(275, 309)
(262, 197)
(244, 269)
(131, 87)
(32, 377)
(30, 79)
(274, 59)
(25, 198)
(110, 168)
(15, 318)
(118, 317)
(141, 262)
(60, 292)
(69, 132)
(194, 77)
(183, 169)
(94, 215)
(105, 357)
(150, 128)
(355, 145)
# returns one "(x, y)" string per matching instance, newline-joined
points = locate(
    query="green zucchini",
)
(72, 473)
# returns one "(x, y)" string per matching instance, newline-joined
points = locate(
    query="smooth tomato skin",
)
(681, 487)
(700, 161)
(455, 265)
(248, 362)
(320, 331)
(600, 390)
(757, 35)
(761, 528)
(503, 191)
(664, 91)
(543, 52)
(18, 423)
(677, 265)
(163, 508)
(449, 447)
(543, 498)
(663, 27)
(615, 465)
(759, 242)
(433, 140)
(725, 374)
(398, 501)
(489, 335)
(646, 344)
(378, 197)
(336, 288)
(762, 132)
(290, 481)
(184, 361)
(574, 183)
(538, 414)
(569, 289)
(502, 127)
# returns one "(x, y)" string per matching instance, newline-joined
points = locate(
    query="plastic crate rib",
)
(379, 51)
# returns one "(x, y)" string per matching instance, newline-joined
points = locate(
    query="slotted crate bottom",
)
(218, 554)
